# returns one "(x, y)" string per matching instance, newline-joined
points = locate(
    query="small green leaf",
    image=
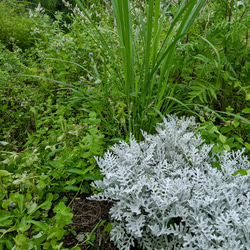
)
(4, 173)
(8, 244)
(241, 172)
(236, 124)
(225, 129)
(24, 226)
(247, 145)
(75, 171)
(240, 140)
(217, 148)
(4, 143)
(92, 114)
(222, 138)
(108, 228)
(227, 147)
(213, 129)
(246, 110)
(76, 248)
(53, 152)
(22, 242)
(31, 208)
(39, 224)
(45, 205)
(216, 165)
(89, 177)
(71, 188)
(247, 97)
(49, 197)
(237, 84)
(5, 218)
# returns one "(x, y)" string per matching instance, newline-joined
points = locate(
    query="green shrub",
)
(15, 25)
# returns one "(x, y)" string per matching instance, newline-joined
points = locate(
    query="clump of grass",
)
(146, 91)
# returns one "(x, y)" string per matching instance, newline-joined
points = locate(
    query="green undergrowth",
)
(62, 103)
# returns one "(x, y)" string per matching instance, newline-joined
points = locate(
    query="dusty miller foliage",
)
(168, 194)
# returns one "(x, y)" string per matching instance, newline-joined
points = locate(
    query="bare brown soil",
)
(87, 214)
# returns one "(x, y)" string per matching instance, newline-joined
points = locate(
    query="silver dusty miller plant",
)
(167, 194)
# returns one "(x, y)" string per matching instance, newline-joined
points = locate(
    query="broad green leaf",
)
(4, 173)
(49, 197)
(213, 129)
(6, 221)
(108, 228)
(217, 149)
(31, 208)
(225, 129)
(22, 242)
(76, 248)
(8, 244)
(39, 224)
(75, 171)
(240, 140)
(23, 226)
(247, 145)
(227, 147)
(246, 110)
(222, 138)
(45, 205)
(4, 143)
(236, 124)
(79, 171)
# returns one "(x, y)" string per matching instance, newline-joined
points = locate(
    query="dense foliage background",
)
(62, 100)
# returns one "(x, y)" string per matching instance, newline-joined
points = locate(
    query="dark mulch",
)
(87, 214)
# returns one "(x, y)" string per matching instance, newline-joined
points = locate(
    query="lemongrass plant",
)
(146, 90)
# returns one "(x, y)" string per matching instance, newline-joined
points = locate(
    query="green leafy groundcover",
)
(62, 99)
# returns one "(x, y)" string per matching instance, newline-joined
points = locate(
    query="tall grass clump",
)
(147, 56)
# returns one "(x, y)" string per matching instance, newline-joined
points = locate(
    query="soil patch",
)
(87, 214)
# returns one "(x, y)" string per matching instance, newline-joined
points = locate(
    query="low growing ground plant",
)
(171, 192)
